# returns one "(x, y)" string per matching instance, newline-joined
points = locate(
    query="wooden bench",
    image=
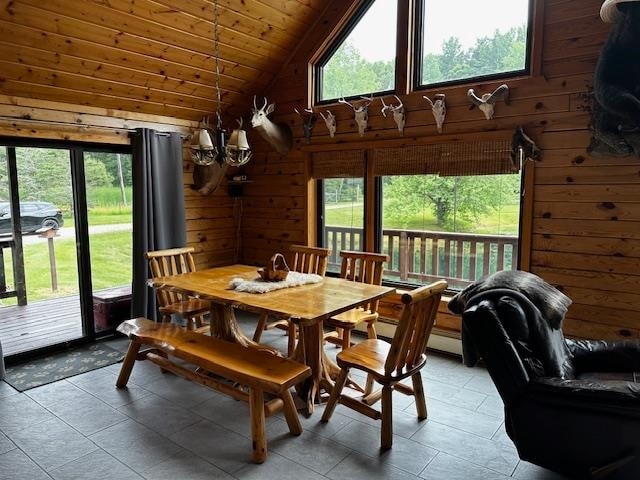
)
(257, 370)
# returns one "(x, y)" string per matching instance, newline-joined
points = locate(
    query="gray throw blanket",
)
(544, 306)
(552, 303)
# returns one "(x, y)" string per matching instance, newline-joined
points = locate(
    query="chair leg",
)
(386, 435)
(369, 385)
(291, 414)
(291, 341)
(418, 392)
(335, 395)
(262, 322)
(346, 338)
(371, 330)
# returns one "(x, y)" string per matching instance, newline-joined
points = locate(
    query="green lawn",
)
(110, 258)
(103, 216)
(348, 215)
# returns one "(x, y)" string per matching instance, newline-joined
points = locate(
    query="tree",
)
(503, 52)
(455, 201)
(347, 74)
(453, 61)
(96, 174)
(110, 161)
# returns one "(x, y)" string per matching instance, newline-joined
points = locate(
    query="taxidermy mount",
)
(616, 110)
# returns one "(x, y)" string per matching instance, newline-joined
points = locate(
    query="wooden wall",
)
(211, 230)
(586, 212)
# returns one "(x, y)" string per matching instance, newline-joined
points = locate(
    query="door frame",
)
(83, 253)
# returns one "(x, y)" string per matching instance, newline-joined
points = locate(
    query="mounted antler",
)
(397, 111)
(278, 135)
(488, 100)
(308, 122)
(361, 112)
(438, 108)
(330, 122)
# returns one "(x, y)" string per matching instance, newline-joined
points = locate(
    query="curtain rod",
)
(80, 125)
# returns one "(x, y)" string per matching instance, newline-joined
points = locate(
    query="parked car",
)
(33, 216)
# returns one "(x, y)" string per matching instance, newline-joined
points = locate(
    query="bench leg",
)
(127, 364)
(258, 438)
(291, 414)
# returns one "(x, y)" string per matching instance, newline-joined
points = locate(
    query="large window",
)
(444, 210)
(342, 217)
(459, 40)
(363, 59)
(455, 227)
(455, 41)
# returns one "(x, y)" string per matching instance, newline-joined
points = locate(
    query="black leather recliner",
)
(572, 406)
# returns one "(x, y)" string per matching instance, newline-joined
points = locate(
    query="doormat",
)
(52, 368)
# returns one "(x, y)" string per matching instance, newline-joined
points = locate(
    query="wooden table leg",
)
(225, 327)
(310, 351)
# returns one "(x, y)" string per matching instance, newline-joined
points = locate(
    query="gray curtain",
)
(158, 207)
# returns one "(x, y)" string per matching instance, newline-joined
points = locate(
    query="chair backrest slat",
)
(363, 267)
(416, 322)
(309, 259)
(172, 261)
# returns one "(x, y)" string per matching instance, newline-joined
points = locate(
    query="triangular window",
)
(362, 60)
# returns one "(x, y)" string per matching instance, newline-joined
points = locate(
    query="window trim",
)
(345, 30)
(372, 220)
(416, 74)
(408, 42)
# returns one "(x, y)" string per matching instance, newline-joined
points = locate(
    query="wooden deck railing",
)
(422, 256)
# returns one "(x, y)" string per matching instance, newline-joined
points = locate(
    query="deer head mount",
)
(278, 135)
(330, 122)
(397, 111)
(438, 108)
(488, 100)
(361, 112)
(308, 122)
(523, 148)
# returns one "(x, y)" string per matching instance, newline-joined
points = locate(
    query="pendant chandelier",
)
(203, 150)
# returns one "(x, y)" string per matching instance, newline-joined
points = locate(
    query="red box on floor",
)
(110, 307)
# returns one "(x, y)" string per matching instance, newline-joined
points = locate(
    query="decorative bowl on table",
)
(276, 269)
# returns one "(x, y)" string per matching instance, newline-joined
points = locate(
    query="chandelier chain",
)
(216, 51)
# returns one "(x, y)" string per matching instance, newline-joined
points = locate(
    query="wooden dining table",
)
(307, 306)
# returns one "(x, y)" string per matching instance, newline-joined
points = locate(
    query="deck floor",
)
(39, 324)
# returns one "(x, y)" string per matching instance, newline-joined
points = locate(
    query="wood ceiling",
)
(149, 56)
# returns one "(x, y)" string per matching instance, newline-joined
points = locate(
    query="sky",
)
(465, 19)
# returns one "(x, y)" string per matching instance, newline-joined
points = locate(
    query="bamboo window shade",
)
(338, 164)
(446, 159)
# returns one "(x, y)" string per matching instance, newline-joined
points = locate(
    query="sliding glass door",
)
(58, 226)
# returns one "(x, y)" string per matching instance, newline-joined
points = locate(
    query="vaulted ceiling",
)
(148, 56)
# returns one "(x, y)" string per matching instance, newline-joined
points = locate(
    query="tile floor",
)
(164, 427)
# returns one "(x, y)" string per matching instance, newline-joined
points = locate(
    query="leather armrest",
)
(613, 396)
(605, 356)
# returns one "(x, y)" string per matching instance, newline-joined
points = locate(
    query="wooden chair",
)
(390, 363)
(304, 260)
(362, 267)
(174, 261)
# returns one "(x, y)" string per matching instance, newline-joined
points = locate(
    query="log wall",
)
(211, 230)
(586, 211)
